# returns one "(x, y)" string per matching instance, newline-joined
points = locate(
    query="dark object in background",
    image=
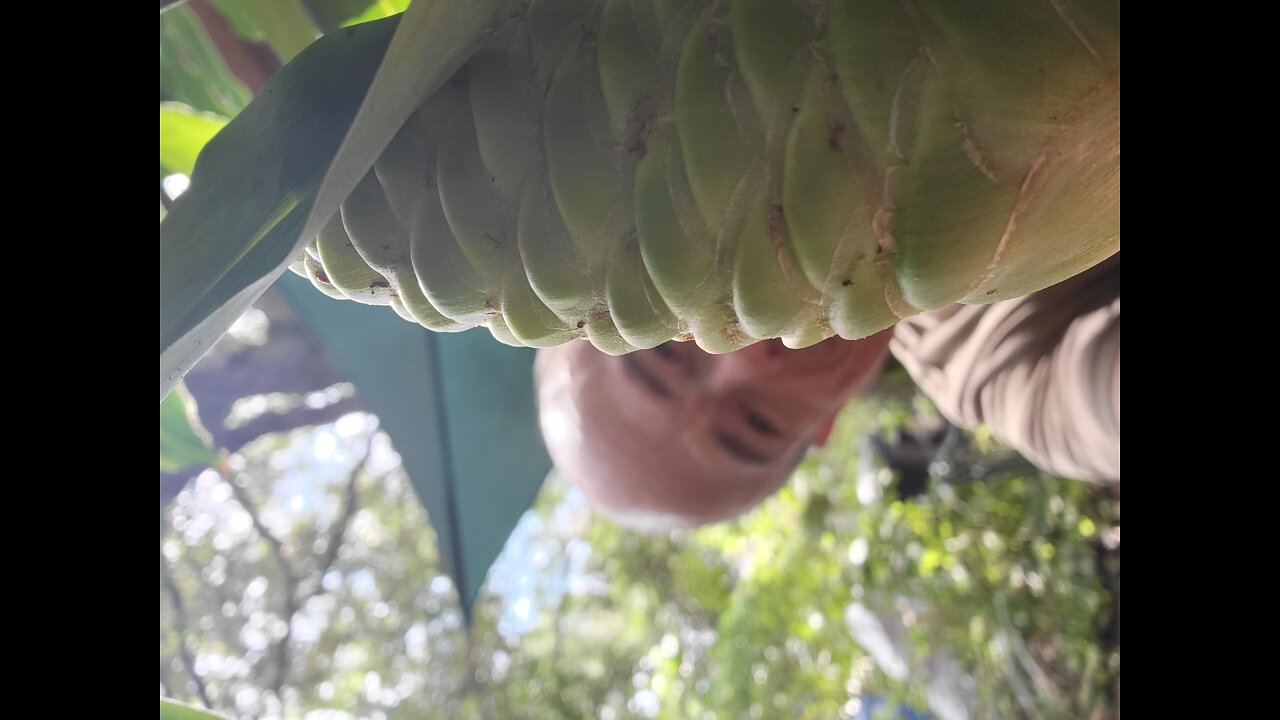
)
(911, 452)
(937, 451)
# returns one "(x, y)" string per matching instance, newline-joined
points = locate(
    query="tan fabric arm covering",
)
(1043, 371)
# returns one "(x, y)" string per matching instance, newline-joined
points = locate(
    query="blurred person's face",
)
(675, 437)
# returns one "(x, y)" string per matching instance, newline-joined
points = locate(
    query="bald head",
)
(674, 437)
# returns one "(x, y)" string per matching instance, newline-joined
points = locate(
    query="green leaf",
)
(379, 9)
(329, 15)
(183, 132)
(192, 70)
(174, 710)
(442, 397)
(246, 211)
(182, 444)
(282, 24)
(271, 179)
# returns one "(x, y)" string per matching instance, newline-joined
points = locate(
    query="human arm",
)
(1043, 371)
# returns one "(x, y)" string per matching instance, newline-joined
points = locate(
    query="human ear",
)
(824, 432)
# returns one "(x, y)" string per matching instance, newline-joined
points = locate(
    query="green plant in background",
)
(291, 584)
(752, 619)
(183, 444)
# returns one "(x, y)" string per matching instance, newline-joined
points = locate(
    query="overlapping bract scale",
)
(631, 172)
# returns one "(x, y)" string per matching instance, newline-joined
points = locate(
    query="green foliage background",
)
(748, 619)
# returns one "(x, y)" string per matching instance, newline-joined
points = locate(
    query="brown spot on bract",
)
(734, 334)
(582, 324)
(991, 292)
(847, 283)
(777, 226)
(835, 134)
(720, 42)
(379, 284)
(640, 121)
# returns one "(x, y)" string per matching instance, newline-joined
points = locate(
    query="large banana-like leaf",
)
(447, 400)
(278, 172)
(253, 187)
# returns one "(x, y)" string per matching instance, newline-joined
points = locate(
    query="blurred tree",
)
(308, 591)
(247, 387)
(995, 585)
(300, 571)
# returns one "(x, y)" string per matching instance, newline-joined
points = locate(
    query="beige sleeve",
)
(1043, 371)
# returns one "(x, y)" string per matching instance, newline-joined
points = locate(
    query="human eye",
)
(675, 363)
(649, 380)
(759, 423)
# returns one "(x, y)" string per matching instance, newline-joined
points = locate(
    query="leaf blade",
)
(183, 443)
(282, 24)
(248, 212)
(184, 131)
(191, 69)
(244, 214)
(174, 710)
